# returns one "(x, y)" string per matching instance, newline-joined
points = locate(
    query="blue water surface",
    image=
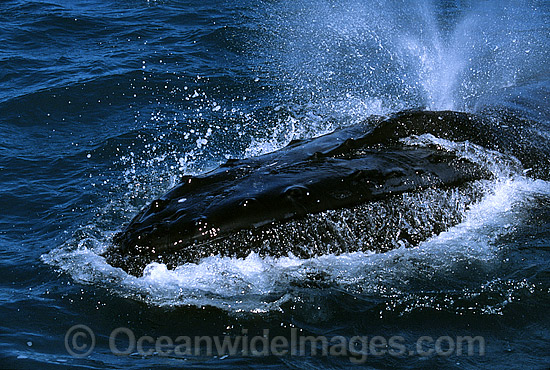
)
(104, 105)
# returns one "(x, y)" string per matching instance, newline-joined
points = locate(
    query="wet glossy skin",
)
(350, 166)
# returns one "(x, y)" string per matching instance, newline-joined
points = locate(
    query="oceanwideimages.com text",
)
(80, 341)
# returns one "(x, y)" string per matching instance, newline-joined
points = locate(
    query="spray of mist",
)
(391, 55)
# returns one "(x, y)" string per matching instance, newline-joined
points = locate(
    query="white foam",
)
(500, 165)
(260, 284)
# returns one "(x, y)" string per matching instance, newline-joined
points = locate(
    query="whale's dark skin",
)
(352, 166)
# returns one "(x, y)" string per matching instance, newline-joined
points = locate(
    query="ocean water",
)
(104, 105)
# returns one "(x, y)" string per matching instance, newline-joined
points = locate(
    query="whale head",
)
(289, 201)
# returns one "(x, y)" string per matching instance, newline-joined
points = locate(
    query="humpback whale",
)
(358, 188)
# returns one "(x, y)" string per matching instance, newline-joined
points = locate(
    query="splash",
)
(333, 64)
(409, 54)
(265, 284)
